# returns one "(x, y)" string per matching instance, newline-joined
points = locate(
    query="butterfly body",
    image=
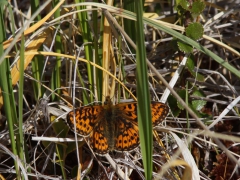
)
(112, 127)
(109, 125)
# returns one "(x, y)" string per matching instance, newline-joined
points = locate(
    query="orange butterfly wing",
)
(86, 118)
(127, 133)
(98, 141)
(91, 120)
(159, 112)
(113, 127)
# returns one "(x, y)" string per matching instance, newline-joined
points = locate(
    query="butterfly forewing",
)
(126, 110)
(129, 111)
(86, 118)
(159, 112)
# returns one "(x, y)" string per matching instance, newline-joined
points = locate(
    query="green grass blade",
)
(98, 76)
(174, 33)
(128, 24)
(8, 96)
(144, 113)
(38, 61)
(86, 35)
(22, 150)
(195, 44)
(56, 81)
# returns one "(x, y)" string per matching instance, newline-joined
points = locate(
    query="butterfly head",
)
(108, 101)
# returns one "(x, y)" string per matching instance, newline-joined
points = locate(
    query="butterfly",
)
(112, 127)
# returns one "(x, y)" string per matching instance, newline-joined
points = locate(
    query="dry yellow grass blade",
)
(80, 59)
(187, 174)
(107, 59)
(33, 46)
(35, 26)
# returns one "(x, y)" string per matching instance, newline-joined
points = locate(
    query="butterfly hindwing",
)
(127, 137)
(98, 141)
